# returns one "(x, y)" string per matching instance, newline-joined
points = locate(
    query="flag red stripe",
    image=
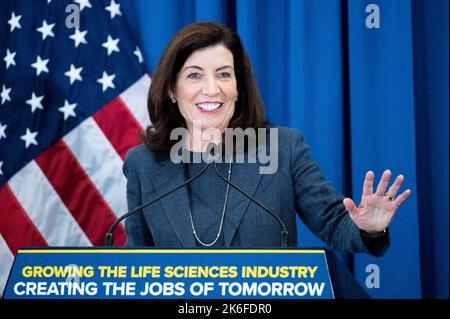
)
(119, 125)
(15, 226)
(78, 193)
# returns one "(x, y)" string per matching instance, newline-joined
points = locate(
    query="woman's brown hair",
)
(165, 116)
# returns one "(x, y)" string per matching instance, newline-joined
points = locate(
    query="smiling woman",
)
(204, 81)
(206, 91)
(204, 75)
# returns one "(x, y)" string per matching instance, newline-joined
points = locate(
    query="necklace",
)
(221, 219)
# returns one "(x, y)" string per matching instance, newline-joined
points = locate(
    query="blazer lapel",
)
(176, 205)
(247, 177)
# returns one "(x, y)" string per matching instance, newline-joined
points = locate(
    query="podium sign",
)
(94, 273)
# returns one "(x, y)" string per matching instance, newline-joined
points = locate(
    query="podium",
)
(129, 273)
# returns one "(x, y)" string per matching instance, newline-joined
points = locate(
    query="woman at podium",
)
(208, 129)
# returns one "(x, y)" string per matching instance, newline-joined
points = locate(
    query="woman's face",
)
(206, 88)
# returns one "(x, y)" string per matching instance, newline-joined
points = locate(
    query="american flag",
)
(73, 100)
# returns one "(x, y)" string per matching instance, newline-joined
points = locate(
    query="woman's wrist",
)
(373, 234)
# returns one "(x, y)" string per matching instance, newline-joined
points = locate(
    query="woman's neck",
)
(198, 142)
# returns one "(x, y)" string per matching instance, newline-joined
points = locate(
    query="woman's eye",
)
(224, 75)
(193, 76)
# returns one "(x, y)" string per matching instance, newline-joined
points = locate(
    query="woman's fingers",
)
(368, 184)
(393, 190)
(402, 197)
(350, 206)
(382, 185)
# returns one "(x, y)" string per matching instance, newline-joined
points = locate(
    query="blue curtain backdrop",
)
(365, 98)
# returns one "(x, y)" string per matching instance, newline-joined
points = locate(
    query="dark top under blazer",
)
(297, 186)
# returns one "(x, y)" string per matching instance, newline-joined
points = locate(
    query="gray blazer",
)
(298, 186)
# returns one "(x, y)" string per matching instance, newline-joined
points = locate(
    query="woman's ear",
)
(172, 96)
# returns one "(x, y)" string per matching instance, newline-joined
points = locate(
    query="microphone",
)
(284, 231)
(108, 240)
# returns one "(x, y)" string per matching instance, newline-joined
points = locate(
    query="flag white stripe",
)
(135, 98)
(100, 161)
(45, 208)
(6, 261)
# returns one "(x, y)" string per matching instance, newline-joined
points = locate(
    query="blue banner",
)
(169, 274)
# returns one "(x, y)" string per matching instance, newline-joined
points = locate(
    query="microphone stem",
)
(284, 231)
(108, 241)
